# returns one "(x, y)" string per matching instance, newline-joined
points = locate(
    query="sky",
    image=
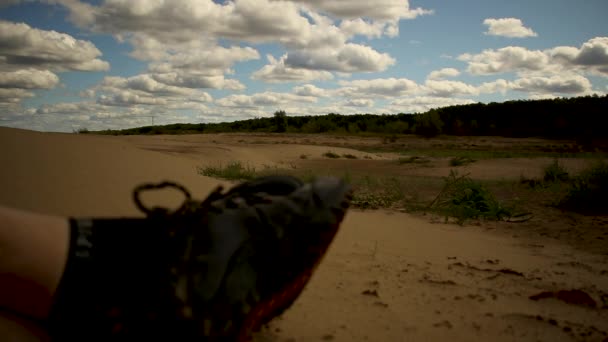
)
(110, 64)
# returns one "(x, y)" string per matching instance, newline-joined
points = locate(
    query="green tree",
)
(280, 121)
(429, 124)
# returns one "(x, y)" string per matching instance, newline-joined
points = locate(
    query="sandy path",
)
(424, 281)
(436, 282)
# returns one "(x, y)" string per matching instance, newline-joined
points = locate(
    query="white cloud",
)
(443, 73)
(358, 26)
(508, 27)
(313, 41)
(28, 79)
(13, 95)
(349, 58)
(444, 88)
(507, 59)
(564, 84)
(424, 103)
(26, 47)
(377, 88)
(591, 57)
(496, 86)
(144, 89)
(276, 71)
(193, 80)
(359, 103)
(310, 90)
(379, 10)
(210, 57)
(262, 100)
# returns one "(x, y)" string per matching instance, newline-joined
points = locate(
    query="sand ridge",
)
(388, 276)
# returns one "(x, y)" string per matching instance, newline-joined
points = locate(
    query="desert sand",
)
(388, 276)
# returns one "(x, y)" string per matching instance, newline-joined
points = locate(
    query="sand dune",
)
(388, 276)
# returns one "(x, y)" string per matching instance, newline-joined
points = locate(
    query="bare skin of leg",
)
(33, 253)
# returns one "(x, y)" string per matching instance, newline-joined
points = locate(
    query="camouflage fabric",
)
(213, 270)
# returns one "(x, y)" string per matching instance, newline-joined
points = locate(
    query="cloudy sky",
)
(70, 64)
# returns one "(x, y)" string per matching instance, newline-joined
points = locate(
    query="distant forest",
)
(582, 118)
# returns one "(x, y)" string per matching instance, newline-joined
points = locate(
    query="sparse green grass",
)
(555, 172)
(464, 198)
(232, 171)
(494, 154)
(349, 156)
(461, 161)
(588, 191)
(330, 154)
(412, 160)
(455, 196)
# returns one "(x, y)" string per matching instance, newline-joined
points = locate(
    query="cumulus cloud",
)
(144, 89)
(24, 46)
(381, 87)
(205, 58)
(28, 79)
(508, 27)
(567, 84)
(507, 59)
(443, 73)
(358, 26)
(13, 95)
(276, 71)
(424, 103)
(359, 103)
(444, 88)
(29, 58)
(350, 58)
(591, 57)
(262, 100)
(496, 86)
(379, 10)
(313, 40)
(309, 90)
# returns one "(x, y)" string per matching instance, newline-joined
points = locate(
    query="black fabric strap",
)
(112, 264)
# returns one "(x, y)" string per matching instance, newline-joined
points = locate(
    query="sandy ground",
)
(388, 276)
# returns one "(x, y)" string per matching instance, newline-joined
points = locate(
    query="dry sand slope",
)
(388, 276)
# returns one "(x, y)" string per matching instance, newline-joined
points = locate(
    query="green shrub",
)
(588, 191)
(413, 160)
(233, 171)
(554, 172)
(464, 198)
(330, 154)
(349, 156)
(460, 161)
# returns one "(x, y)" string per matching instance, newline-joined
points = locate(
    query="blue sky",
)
(69, 64)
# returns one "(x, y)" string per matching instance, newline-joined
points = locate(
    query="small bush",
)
(464, 198)
(349, 156)
(303, 156)
(554, 172)
(233, 171)
(587, 193)
(530, 182)
(413, 160)
(330, 154)
(460, 161)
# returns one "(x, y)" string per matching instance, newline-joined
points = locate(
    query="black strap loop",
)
(151, 186)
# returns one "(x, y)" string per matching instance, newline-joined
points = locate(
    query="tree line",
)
(581, 118)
